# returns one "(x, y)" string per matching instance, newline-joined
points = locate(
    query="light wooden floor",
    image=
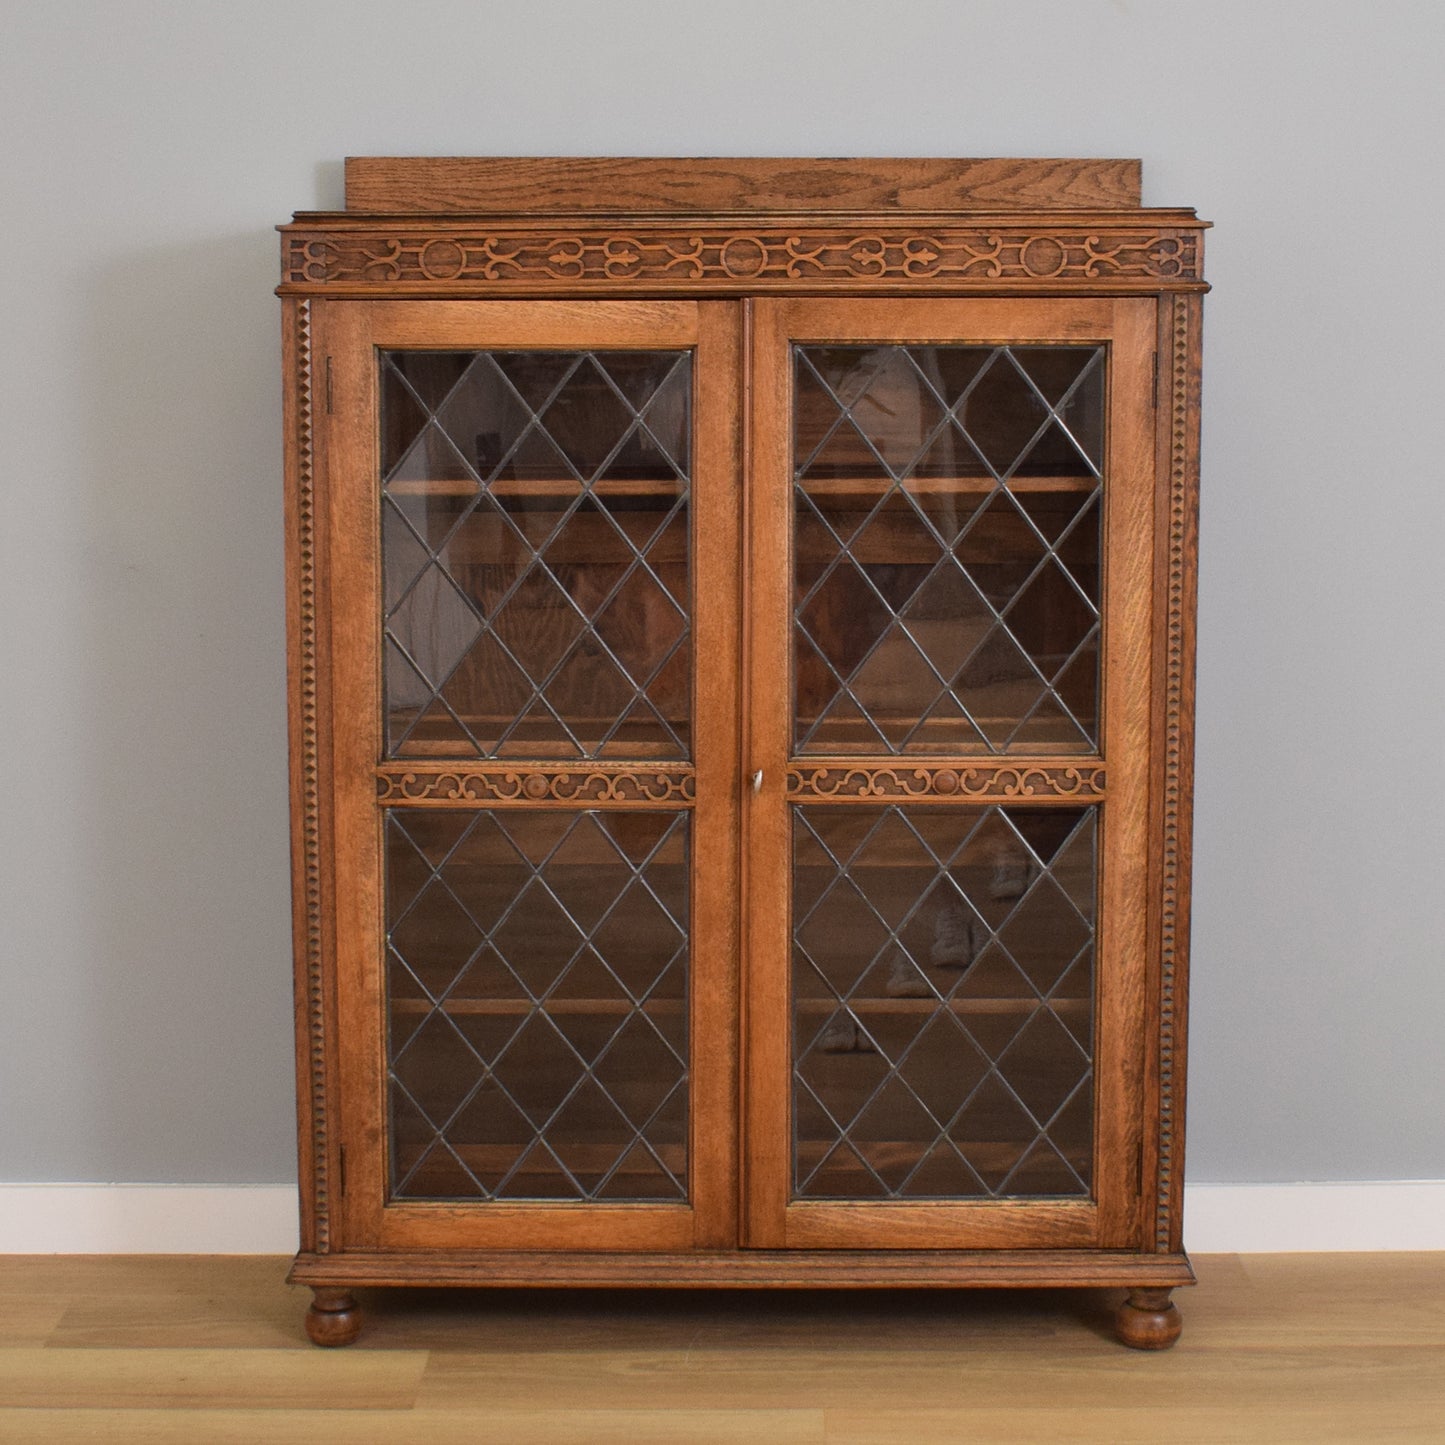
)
(1276, 1348)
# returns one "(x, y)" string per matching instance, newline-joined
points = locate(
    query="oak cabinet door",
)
(531, 533)
(950, 521)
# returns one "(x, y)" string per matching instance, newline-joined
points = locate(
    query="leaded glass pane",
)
(942, 988)
(947, 505)
(537, 967)
(535, 553)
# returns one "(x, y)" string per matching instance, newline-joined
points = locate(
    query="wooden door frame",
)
(347, 334)
(1115, 1217)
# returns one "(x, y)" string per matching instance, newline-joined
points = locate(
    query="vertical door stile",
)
(1124, 944)
(766, 1125)
(355, 744)
(717, 527)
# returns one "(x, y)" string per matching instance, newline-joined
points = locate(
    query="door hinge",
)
(341, 1170)
(328, 386)
(1139, 1169)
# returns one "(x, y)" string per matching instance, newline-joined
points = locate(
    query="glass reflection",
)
(535, 553)
(947, 506)
(537, 967)
(942, 977)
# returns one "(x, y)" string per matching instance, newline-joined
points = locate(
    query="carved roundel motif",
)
(1043, 256)
(743, 256)
(441, 260)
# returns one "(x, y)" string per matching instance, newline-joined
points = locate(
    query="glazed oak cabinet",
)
(741, 650)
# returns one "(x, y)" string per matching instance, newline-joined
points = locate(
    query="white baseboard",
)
(1295, 1218)
(148, 1219)
(261, 1219)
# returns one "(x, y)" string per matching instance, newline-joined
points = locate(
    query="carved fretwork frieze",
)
(738, 260)
(945, 784)
(537, 786)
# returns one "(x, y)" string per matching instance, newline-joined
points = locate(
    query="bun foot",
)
(334, 1317)
(1147, 1320)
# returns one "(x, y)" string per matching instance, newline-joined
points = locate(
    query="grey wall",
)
(148, 148)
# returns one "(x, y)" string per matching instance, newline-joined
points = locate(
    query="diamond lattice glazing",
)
(947, 505)
(943, 1002)
(535, 553)
(536, 999)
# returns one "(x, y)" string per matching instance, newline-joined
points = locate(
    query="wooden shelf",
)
(986, 1154)
(491, 1006)
(829, 743)
(664, 489)
(516, 1006)
(941, 486)
(585, 1158)
(832, 739)
(423, 750)
(930, 1005)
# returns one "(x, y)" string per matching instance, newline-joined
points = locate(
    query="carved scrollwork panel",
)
(945, 784)
(536, 786)
(739, 259)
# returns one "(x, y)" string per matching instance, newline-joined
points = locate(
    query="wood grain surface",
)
(553, 184)
(160, 1349)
